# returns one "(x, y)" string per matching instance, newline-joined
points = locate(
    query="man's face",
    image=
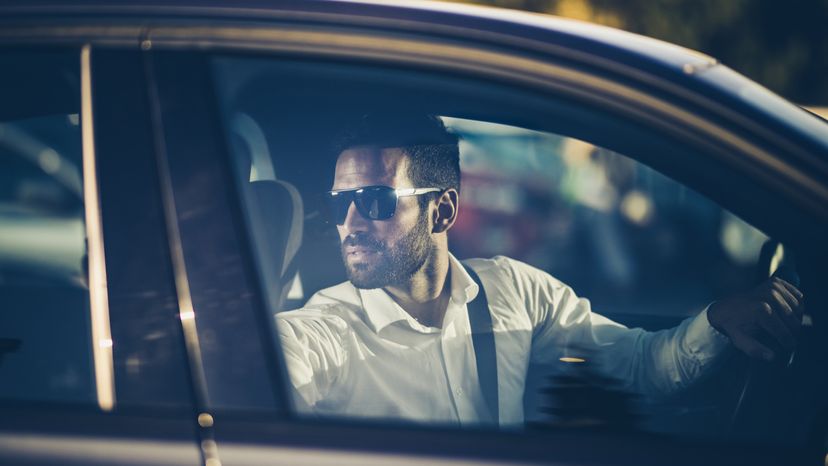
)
(378, 253)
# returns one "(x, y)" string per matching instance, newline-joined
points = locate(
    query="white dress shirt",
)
(357, 353)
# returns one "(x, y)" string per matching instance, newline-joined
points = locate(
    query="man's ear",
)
(445, 212)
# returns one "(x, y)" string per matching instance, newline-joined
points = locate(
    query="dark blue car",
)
(161, 167)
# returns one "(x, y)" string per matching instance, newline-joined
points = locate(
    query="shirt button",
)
(459, 392)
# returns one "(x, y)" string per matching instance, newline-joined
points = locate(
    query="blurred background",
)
(781, 45)
(632, 240)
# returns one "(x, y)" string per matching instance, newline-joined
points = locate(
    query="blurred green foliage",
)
(780, 44)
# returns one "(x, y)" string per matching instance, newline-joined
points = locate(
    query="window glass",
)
(597, 269)
(44, 310)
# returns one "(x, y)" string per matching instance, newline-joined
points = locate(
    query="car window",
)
(44, 309)
(47, 321)
(581, 250)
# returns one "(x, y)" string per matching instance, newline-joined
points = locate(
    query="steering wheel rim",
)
(774, 261)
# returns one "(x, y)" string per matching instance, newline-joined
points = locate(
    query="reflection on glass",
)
(43, 283)
(603, 223)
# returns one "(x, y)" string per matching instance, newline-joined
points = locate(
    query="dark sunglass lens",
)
(376, 202)
(338, 204)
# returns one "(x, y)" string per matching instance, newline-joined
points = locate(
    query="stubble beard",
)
(392, 266)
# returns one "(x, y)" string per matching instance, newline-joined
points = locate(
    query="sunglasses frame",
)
(355, 192)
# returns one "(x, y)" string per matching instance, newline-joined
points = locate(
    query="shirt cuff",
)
(702, 340)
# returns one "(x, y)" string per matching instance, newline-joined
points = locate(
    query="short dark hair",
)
(434, 151)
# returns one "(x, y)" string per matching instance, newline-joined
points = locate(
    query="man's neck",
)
(426, 296)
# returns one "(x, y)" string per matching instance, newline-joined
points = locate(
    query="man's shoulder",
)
(344, 294)
(503, 268)
(499, 265)
(330, 306)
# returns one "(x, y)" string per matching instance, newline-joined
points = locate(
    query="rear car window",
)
(45, 352)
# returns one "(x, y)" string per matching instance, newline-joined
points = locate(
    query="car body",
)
(180, 363)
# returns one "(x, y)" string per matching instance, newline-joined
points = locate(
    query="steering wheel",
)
(774, 261)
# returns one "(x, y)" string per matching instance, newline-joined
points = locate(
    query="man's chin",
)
(363, 277)
(367, 284)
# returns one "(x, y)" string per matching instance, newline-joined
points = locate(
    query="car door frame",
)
(134, 428)
(276, 434)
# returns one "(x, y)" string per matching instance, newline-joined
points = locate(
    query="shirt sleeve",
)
(313, 349)
(650, 363)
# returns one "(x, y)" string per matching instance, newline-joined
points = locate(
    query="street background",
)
(781, 45)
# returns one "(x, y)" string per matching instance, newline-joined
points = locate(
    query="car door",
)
(93, 366)
(260, 103)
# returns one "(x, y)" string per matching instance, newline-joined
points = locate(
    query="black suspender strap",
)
(483, 341)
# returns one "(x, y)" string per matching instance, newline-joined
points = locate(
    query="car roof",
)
(611, 49)
(431, 14)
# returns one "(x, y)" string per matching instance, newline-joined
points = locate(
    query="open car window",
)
(560, 204)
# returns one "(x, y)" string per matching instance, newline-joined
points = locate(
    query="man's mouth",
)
(359, 252)
(361, 248)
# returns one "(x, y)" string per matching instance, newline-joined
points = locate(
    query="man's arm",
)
(658, 362)
(652, 363)
(312, 346)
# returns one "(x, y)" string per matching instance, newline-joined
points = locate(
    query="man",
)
(395, 341)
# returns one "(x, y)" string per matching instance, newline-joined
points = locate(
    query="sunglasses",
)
(372, 202)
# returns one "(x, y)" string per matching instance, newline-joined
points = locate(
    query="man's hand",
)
(774, 309)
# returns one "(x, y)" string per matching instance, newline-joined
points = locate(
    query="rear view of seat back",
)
(275, 211)
(276, 215)
(297, 250)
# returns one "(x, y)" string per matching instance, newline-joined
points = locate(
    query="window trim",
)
(98, 291)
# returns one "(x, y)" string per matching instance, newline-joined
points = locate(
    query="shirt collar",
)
(383, 311)
(463, 287)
